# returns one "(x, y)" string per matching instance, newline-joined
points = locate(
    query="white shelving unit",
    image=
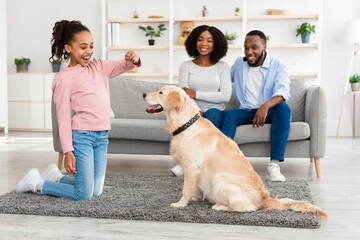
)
(252, 17)
(29, 101)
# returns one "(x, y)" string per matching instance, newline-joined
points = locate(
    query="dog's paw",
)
(179, 204)
(220, 208)
(197, 199)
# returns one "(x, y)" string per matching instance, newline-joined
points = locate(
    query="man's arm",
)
(261, 114)
(281, 93)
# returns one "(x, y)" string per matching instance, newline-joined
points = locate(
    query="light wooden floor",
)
(336, 192)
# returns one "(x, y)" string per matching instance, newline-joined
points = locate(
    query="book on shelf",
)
(113, 34)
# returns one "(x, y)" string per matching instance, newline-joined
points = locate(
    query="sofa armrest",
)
(316, 117)
(55, 127)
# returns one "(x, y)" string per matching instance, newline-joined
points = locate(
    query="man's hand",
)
(70, 163)
(191, 93)
(132, 57)
(260, 116)
(262, 112)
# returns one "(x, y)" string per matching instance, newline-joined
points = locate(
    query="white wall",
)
(30, 25)
(335, 64)
(3, 70)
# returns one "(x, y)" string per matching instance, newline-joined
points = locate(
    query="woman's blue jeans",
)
(279, 117)
(90, 151)
(215, 116)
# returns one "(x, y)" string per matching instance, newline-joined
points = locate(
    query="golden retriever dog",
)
(215, 168)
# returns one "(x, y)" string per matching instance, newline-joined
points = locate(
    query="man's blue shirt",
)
(275, 81)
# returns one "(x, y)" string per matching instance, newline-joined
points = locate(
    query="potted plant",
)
(355, 82)
(305, 30)
(267, 39)
(135, 15)
(237, 11)
(55, 65)
(231, 37)
(22, 64)
(150, 31)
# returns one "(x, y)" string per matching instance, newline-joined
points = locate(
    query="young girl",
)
(83, 85)
(206, 78)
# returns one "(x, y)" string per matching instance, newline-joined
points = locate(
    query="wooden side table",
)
(342, 108)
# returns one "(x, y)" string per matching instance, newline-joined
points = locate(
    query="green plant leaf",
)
(354, 78)
(150, 31)
(305, 28)
(20, 61)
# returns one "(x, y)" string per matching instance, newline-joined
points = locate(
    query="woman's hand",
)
(191, 93)
(70, 163)
(132, 57)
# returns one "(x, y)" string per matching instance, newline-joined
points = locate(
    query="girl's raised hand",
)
(132, 56)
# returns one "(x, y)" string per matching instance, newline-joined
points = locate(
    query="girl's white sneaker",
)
(29, 182)
(52, 173)
(177, 171)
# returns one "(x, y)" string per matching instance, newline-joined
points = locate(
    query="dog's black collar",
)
(186, 125)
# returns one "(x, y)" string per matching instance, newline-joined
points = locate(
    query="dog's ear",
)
(174, 100)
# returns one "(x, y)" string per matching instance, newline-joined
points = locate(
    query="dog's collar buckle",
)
(186, 125)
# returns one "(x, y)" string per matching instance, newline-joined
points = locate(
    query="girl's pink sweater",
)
(86, 90)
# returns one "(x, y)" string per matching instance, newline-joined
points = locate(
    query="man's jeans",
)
(90, 151)
(279, 116)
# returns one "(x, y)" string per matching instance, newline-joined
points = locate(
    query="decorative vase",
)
(22, 68)
(355, 87)
(231, 42)
(305, 38)
(151, 42)
(56, 67)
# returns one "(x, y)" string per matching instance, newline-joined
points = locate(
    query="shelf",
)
(303, 74)
(155, 47)
(210, 19)
(32, 73)
(294, 45)
(215, 19)
(177, 53)
(282, 17)
(138, 20)
(231, 46)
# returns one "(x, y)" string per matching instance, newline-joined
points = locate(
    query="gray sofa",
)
(136, 132)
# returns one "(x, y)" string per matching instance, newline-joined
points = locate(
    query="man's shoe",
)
(274, 173)
(29, 182)
(177, 171)
(52, 173)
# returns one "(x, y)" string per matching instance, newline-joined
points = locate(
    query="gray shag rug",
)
(140, 197)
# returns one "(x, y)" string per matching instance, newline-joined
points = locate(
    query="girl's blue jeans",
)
(90, 151)
(215, 116)
(279, 117)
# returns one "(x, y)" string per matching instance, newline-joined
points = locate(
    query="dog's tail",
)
(299, 206)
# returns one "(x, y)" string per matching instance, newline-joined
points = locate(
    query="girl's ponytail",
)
(63, 33)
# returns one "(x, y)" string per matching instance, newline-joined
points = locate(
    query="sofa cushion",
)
(297, 100)
(123, 91)
(248, 134)
(140, 129)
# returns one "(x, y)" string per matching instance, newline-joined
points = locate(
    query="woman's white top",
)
(212, 84)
